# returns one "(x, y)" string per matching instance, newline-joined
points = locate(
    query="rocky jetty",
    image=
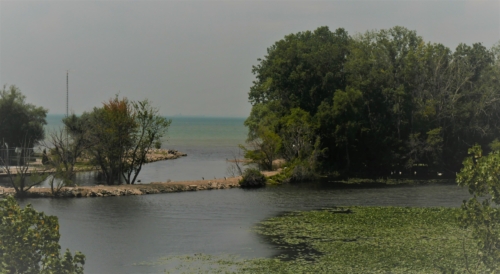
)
(126, 190)
(155, 155)
(136, 189)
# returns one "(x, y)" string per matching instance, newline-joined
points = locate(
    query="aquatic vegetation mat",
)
(370, 239)
(199, 263)
(350, 240)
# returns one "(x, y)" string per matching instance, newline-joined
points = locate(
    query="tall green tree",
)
(297, 131)
(117, 137)
(301, 70)
(377, 67)
(347, 115)
(21, 123)
(110, 130)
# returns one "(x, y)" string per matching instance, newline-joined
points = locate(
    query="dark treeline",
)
(373, 103)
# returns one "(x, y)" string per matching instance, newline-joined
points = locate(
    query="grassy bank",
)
(354, 240)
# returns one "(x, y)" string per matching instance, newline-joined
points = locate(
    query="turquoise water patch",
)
(188, 131)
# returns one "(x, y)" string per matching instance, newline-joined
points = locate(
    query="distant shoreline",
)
(169, 116)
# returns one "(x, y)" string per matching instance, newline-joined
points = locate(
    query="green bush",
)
(302, 171)
(29, 242)
(252, 178)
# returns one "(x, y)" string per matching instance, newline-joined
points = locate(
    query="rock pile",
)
(155, 155)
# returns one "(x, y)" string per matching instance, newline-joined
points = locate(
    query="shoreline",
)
(136, 189)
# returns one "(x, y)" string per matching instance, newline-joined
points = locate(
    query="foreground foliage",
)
(481, 174)
(29, 242)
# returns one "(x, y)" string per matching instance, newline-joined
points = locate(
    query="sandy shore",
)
(138, 189)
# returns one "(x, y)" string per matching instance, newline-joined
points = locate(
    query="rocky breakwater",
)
(138, 189)
(155, 155)
(126, 190)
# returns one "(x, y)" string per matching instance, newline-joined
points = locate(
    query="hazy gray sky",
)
(192, 57)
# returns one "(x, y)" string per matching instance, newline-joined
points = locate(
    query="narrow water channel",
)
(118, 232)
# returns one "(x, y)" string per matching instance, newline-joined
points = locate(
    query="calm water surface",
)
(116, 232)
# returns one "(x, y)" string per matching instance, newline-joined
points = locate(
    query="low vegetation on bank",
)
(252, 178)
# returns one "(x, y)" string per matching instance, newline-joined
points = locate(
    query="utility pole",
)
(67, 102)
(67, 91)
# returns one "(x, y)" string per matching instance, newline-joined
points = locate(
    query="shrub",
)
(29, 242)
(301, 172)
(157, 144)
(252, 178)
(296, 171)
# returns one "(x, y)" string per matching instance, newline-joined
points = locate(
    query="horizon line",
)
(170, 116)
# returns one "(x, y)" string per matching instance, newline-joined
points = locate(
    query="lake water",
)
(117, 233)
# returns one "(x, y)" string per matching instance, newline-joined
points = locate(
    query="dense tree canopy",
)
(21, 124)
(378, 101)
